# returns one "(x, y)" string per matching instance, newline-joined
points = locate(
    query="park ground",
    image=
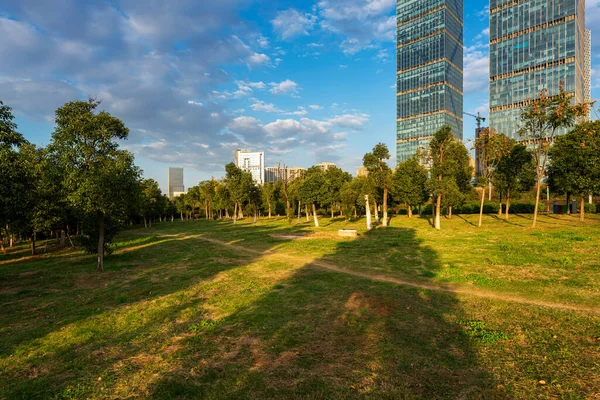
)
(206, 309)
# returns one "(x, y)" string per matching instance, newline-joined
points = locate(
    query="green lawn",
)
(210, 310)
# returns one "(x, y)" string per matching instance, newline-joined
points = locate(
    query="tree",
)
(150, 197)
(540, 121)
(334, 180)
(450, 163)
(409, 184)
(312, 190)
(100, 178)
(380, 173)
(238, 183)
(269, 195)
(493, 147)
(14, 185)
(515, 173)
(575, 162)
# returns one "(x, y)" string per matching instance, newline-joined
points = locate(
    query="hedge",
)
(488, 208)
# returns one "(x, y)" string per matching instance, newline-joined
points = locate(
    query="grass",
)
(209, 310)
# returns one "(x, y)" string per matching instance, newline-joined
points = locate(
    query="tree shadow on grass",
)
(58, 313)
(326, 334)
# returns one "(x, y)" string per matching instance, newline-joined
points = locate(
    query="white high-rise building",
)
(253, 162)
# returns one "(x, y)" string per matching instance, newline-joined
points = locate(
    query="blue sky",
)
(304, 81)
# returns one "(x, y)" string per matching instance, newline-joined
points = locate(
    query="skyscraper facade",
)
(175, 182)
(429, 72)
(535, 45)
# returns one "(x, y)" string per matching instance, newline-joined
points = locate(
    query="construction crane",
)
(478, 117)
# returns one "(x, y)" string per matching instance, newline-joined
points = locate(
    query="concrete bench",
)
(347, 233)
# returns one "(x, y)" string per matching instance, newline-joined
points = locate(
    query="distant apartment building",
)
(253, 162)
(326, 165)
(362, 171)
(175, 182)
(273, 174)
(535, 45)
(429, 88)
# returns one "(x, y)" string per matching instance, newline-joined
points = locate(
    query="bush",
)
(523, 208)
(473, 207)
(590, 208)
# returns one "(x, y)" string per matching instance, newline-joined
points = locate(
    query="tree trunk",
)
(582, 210)
(376, 211)
(314, 208)
(409, 211)
(332, 211)
(368, 209)
(538, 190)
(438, 212)
(2, 246)
(33, 252)
(172, 218)
(507, 201)
(568, 203)
(481, 207)
(241, 216)
(181, 215)
(306, 212)
(355, 213)
(63, 238)
(269, 210)
(385, 213)
(145, 223)
(235, 212)
(100, 242)
(449, 212)
(299, 210)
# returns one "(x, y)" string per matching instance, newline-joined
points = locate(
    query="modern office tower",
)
(326, 165)
(535, 45)
(429, 72)
(587, 66)
(253, 162)
(175, 183)
(271, 174)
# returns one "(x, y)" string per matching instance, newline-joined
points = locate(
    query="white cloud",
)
(284, 87)
(315, 107)
(300, 112)
(264, 107)
(354, 121)
(195, 103)
(362, 23)
(476, 68)
(291, 23)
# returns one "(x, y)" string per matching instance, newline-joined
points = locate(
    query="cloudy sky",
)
(305, 81)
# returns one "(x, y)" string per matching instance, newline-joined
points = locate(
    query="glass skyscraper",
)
(535, 45)
(429, 72)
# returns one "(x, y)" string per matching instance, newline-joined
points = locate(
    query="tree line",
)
(83, 183)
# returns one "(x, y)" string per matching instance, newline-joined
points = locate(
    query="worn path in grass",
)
(384, 278)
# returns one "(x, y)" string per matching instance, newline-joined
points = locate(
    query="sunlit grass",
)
(179, 316)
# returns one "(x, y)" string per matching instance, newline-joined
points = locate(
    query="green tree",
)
(269, 196)
(334, 180)
(14, 185)
(450, 165)
(312, 190)
(100, 178)
(380, 173)
(239, 183)
(515, 173)
(409, 184)
(540, 121)
(492, 147)
(575, 162)
(150, 197)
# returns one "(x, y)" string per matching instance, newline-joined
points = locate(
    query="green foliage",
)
(409, 183)
(91, 233)
(313, 188)
(575, 160)
(515, 172)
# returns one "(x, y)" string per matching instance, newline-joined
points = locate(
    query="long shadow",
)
(44, 297)
(326, 334)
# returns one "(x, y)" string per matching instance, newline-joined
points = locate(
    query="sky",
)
(304, 81)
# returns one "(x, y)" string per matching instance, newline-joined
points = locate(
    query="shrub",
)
(523, 208)
(590, 208)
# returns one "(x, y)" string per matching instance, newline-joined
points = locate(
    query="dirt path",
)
(420, 285)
